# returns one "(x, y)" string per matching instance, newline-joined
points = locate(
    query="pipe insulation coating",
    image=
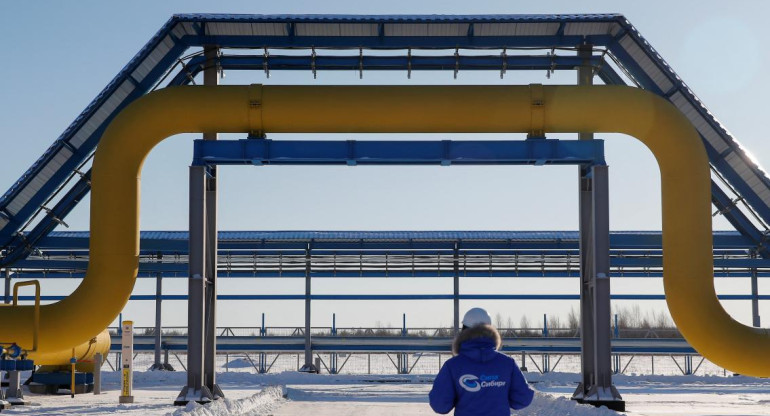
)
(684, 170)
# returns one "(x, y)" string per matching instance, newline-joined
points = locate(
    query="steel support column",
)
(308, 367)
(15, 395)
(7, 294)
(596, 382)
(159, 364)
(211, 77)
(754, 295)
(158, 317)
(333, 356)
(456, 292)
(196, 390)
(596, 387)
(585, 208)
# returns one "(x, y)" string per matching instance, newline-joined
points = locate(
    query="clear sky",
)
(59, 55)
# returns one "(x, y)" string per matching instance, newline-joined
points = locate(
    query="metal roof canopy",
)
(630, 52)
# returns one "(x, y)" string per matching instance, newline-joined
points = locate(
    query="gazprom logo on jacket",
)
(470, 382)
(473, 384)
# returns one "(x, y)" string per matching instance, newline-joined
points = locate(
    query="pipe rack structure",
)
(662, 112)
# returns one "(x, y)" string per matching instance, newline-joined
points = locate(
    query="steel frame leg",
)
(456, 290)
(15, 395)
(210, 323)
(308, 366)
(200, 386)
(596, 386)
(159, 365)
(202, 337)
(4, 404)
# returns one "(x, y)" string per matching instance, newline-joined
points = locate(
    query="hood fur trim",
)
(480, 331)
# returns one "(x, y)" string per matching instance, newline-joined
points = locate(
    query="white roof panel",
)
(335, 29)
(515, 29)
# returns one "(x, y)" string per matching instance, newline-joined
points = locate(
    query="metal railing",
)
(427, 332)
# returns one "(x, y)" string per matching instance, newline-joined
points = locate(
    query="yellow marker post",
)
(127, 363)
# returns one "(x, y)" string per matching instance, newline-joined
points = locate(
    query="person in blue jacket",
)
(479, 380)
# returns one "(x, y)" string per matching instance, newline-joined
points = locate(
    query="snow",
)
(292, 393)
(260, 403)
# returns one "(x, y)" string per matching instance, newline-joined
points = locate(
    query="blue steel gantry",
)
(605, 46)
(61, 173)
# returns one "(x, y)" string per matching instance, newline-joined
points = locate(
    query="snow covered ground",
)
(291, 393)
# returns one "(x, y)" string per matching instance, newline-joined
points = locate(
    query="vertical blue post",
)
(333, 356)
(404, 361)
(616, 358)
(262, 355)
(118, 356)
(546, 356)
(7, 295)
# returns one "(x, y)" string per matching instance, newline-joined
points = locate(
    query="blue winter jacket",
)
(479, 380)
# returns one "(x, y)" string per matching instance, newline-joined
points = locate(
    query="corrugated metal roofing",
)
(433, 18)
(25, 196)
(377, 235)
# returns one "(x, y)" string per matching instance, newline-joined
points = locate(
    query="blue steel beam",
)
(355, 152)
(356, 344)
(396, 268)
(403, 297)
(380, 63)
(177, 241)
(639, 274)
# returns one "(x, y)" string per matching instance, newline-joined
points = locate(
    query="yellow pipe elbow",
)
(684, 169)
(84, 353)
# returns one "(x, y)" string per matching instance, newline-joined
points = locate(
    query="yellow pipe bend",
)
(84, 353)
(684, 169)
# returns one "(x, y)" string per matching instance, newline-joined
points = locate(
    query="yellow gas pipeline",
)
(684, 170)
(84, 354)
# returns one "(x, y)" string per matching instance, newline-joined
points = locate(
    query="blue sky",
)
(59, 55)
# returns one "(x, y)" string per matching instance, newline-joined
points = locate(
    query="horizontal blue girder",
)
(343, 268)
(355, 152)
(352, 347)
(369, 63)
(409, 297)
(55, 274)
(177, 241)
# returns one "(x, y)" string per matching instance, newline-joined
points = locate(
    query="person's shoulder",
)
(504, 359)
(454, 360)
